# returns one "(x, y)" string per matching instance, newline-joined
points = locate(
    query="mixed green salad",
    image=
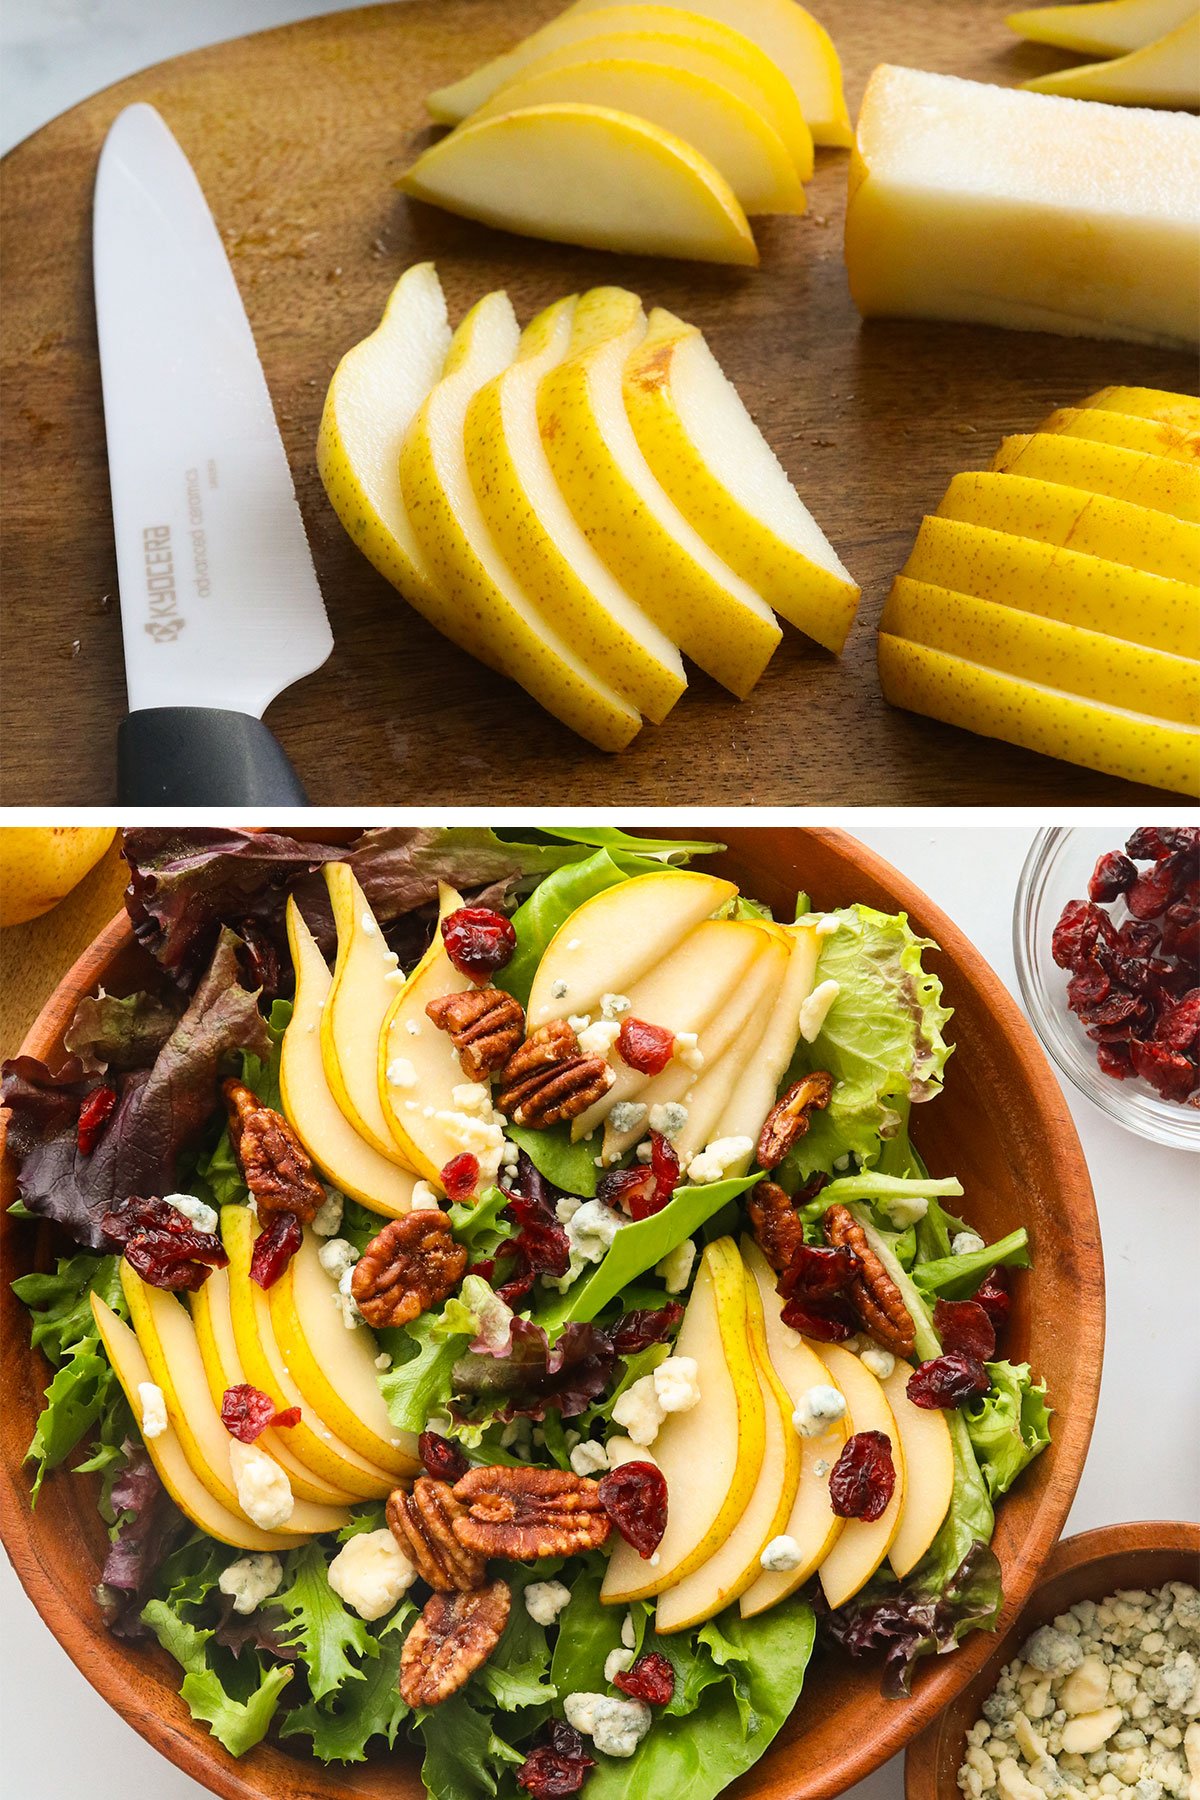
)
(598, 1293)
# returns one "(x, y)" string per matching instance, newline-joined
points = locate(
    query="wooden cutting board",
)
(297, 136)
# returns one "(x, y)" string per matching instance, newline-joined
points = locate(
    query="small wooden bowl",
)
(1087, 1567)
(1002, 1126)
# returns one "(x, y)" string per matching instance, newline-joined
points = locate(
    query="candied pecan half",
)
(412, 1265)
(485, 1025)
(777, 1230)
(277, 1168)
(453, 1637)
(525, 1514)
(874, 1295)
(549, 1079)
(422, 1523)
(789, 1118)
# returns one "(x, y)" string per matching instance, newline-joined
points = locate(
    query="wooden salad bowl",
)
(1087, 1567)
(1002, 1126)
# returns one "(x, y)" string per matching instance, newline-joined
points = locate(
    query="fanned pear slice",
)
(754, 1095)
(1163, 73)
(375, 391)
(858, 1550)
(1101, 27)
(1150, 436)
(812, 1521)
(349, 1161)
(536, 534)
(1076, 520)
(1129, 745)
(711, 1456)
(714, 616)
(928, 1472)
(588, 175)
(800, 48)
(736, 139)
(189, 1493)
(1148, 403)
(483, 605)
(1163, 484)
(365, 981)
(733, 1568)
(619, 935)
(1065, 657)
(696, 434)
(418, 1066)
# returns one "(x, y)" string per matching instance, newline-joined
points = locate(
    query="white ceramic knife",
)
(220, 607)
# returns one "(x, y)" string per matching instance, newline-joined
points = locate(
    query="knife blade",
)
(220, 607)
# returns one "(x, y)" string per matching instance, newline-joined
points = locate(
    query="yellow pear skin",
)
(1076, 520)
(1163, 484)
(1164, 73)
(1149, 436)
(1182, 410)
(1101, 27)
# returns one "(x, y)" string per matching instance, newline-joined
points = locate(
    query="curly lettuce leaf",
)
(1009, 1425)
(420, 1380)
(330, 1640)
(464, 1756)
(84, 1393)
(906, 1625)
(237, 1723)
(343, 1724)
(517, 1673)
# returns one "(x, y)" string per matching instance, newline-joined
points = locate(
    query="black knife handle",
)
(201, 756)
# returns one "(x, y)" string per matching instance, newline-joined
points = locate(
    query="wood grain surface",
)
(1002, 1126)
(297, 136)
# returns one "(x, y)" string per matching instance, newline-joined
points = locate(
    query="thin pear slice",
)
(618, 936)
(1163, 73)
(189, 1493)
(375, 392)
(1149, 436)
(366, 978)
(928, 1472)
(693, 428)
(1065, 657)
(333, 1367)
(353, 1165)
(859, 1549)
(711, 1456)
(588, 175)
(714, 616)
(1154, 481)
(1148, 403)
(1134, 536)
(484, 607)
(794, 41)
(812, 1522)
(168, 1339)
(735, 1567)
(1129, 745)
(536, 533)
(739, 142)
(754, 1095)
(311, 1440)
(1101, 27)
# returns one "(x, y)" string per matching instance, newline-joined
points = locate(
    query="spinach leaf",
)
(571, 1167)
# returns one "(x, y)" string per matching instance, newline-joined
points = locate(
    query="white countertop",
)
(59, 1737)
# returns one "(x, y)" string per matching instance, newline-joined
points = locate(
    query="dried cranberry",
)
(1088, 987)
(274, 1248)
(832, 1324)
(1079, 928)
(478, 941)
(1169, 1072)
(664, 1162)
(818, 1270)
(635, 1499)
(1139, 937)
(460, 1177)
(1112, 876)
(993, 1295)
(646, 1048)
(633, 1191)
(1115, 1060)
(863, 1479)
(1151, 842)
(1181, 932)
(946, 1381)
(637, 1330)
(1170, 979)
(964, 1326)
(557, 1764)
(179, 1261)
(246, 1412)
(134, 1217)
(94, 1114)
(1154, 890)
(651, 1679)
(1128, 1010)
(1178, 1027)
(443, 1459)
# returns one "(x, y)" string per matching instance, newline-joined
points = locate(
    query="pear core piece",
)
(859, 1549)
(1101, 27)
(1163, 73)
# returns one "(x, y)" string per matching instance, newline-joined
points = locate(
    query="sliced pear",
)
(312, 1440)
(1064, 657)
(1101, 27)
(619, 935)
(365, 982)
(733, 1568)
(1163, 73)
(736, 139)
(190, 1494)
(712, 1455)
(536, 534)
(375, 392)
(1129, 745)
(1133, 536)
(586, 175)
(812, 1522)
(801, 48)
(333, 1367)
(859, 1549)
(635, 527)
(1150, 436)
(344, 1157)
(709, 1093)
(754, 1095)
(168, 1339)
(928, 1472)
(1155, 481)
(485, 608)
(1159, 404)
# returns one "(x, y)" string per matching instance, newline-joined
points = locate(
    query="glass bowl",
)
(1056, 870)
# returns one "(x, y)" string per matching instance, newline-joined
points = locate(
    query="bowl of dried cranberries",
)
(1106, 933)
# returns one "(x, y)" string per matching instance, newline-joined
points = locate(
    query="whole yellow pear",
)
(39, 864)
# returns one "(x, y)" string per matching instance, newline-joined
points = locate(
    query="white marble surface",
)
(59, 1738)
